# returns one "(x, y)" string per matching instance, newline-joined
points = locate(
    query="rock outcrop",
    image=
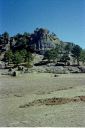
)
(42, 40)
(82, 69)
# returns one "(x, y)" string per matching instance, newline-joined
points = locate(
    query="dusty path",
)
(42, 100)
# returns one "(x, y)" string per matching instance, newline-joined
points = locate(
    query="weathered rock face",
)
(42, 41)
(57, 69)
(39, 41)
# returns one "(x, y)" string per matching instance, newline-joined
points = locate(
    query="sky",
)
(63, 17)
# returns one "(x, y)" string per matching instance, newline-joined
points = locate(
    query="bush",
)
(14, 73)
(28, 65)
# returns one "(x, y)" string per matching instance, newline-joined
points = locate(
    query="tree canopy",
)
(76, 51)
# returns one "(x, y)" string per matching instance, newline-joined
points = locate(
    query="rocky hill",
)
(42, 42)
(39, 41)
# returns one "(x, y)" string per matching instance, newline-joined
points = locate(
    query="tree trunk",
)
(78, 62)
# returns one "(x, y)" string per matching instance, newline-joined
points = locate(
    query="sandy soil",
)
(40, 99)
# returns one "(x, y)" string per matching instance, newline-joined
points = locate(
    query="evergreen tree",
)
(51, 55)
(8, 56)
(65, 58)
(76, 51)
(17, 58)
(82, 56)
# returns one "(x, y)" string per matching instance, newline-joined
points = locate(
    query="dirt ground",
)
(42, 100)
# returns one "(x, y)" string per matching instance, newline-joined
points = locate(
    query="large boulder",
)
(2, 65)
(56, 69)
(73, 69)
(82, 69)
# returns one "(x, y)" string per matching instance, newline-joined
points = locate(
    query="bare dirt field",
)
(40, 99)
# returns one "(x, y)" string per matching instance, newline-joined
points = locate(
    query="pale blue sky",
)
(64, 17)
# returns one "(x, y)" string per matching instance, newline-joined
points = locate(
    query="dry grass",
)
(42, 100)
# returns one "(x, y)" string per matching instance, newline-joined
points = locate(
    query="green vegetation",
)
(8, 56)
(82, 56)
(19, 48)
(51, 55)
(65, 58)
(76, 52)
(18, 57)
(68, 48)
(29, 59)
